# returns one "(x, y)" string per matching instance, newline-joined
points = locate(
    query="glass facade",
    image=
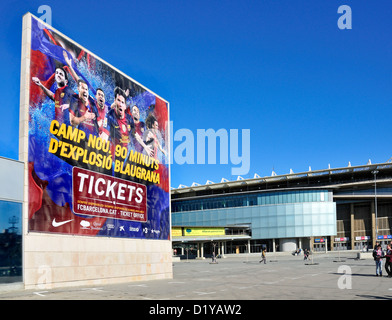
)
(274, 215)
(246, 200)
(11, 199)
(10, 242)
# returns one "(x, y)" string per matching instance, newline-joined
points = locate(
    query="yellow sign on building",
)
(176, 232)
(204, 231)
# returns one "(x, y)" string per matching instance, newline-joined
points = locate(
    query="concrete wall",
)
(288, 245)
(52, 261)
(11, 175)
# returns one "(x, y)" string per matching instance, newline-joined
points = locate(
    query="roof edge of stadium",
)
(274, 177)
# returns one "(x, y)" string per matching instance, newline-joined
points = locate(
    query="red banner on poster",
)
(96, 194)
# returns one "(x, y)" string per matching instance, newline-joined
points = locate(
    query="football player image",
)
(61, 96)
(152, 136)
(140, 127)
(99, 95)
(82, 111)
(119, 126)
(101, 108)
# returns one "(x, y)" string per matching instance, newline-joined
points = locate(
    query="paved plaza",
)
(330, 276)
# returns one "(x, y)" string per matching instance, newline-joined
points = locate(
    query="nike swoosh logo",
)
(58, 224)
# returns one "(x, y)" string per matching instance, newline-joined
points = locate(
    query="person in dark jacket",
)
(388, 261)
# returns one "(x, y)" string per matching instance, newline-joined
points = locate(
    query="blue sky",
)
(310, 93)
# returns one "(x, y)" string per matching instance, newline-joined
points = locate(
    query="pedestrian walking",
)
(388, 261)
(263, 256)
(378, 255)
(306, 254)
(213, 257)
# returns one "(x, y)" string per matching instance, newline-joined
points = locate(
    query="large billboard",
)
(98, 145)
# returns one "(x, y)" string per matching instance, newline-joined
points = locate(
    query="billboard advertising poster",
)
(98, 145)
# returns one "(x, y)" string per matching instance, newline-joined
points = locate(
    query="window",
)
(10, 242)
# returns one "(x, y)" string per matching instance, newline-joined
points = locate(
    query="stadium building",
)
(347, 208)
